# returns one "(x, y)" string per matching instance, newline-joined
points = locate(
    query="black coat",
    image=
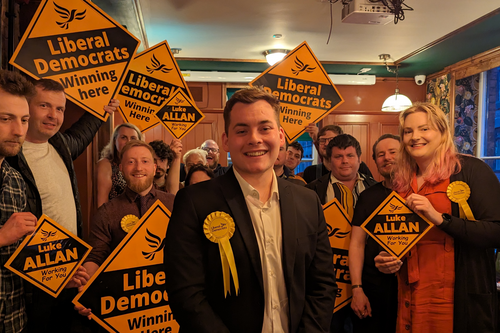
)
(475, 304)
(193, 266)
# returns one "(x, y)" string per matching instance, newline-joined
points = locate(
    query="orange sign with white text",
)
(127, 293)
(339, 233)
(305, 90)
(152, 78)
(77, 44)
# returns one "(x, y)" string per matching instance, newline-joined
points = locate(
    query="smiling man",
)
(276, 232)
(46, 164)
(138, 168)
(375, 302)
(213, 154)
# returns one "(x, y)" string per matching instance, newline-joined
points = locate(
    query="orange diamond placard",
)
(127, 293)
(395, 226)
(152, 78)
(180, 115)
(77, 44)
(339, 233)
(305, 90)
(48, 257)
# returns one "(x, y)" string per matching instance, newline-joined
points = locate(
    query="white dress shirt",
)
(266, 220)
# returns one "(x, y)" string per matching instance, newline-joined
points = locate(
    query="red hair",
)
(445, 162)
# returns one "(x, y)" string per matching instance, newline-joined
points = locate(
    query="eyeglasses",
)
(211, 150)
(324, 141)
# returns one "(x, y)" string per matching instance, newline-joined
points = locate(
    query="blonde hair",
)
(445, 161)
(109, 151)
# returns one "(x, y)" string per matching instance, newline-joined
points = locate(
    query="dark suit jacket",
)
(193, 265)
(320, 185)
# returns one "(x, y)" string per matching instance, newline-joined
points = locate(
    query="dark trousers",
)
(384, 304)
(47, 314)
(342, 320)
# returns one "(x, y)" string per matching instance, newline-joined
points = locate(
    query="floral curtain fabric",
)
(465, 126)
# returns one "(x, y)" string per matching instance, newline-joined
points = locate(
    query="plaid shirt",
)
(12, 200)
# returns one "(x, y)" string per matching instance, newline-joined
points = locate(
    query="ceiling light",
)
(275, 55)
(396, 102)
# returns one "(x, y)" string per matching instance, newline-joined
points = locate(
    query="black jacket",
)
(70, 144)
(194, 278)
(475, 305)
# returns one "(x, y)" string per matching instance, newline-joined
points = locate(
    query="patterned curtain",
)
(438, 91)
(466, 101)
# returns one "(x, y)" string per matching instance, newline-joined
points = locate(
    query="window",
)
(489, 120)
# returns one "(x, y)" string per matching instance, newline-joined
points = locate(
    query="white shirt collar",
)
(249, 190)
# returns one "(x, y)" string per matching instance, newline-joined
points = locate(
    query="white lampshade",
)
(273, 56)
(396, 103)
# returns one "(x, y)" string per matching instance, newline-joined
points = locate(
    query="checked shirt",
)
(12, 200)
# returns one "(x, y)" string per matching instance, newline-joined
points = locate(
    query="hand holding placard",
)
(17, 226)
(396, 227)
(421, 205)
(387, 264)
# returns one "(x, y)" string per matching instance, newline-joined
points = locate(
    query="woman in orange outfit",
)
(446, 282)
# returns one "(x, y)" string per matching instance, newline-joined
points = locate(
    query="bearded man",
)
(138, 168)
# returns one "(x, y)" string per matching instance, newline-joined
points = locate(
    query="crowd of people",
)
(285, 280)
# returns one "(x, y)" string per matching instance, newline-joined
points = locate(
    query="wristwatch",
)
(446, 217)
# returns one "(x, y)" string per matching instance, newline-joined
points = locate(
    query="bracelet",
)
(357, 286)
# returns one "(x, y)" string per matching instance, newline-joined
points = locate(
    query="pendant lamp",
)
(397, 102)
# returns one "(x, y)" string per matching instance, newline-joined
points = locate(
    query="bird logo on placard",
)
(154, 242)
(336, 232)
(157, 66)
(47, 234)
(67, 15)
(394, 208)
(301, 67)
(179, 100)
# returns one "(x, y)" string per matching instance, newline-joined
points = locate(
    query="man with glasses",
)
(213, 153)
(316, 171)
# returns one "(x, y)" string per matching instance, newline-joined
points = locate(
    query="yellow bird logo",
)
(336, 232)
(47, 234)
(154, 242)
(68, 15)
(157, 66)
(301, 67)
(394, 208)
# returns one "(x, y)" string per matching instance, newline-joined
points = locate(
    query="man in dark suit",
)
(280, 244)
